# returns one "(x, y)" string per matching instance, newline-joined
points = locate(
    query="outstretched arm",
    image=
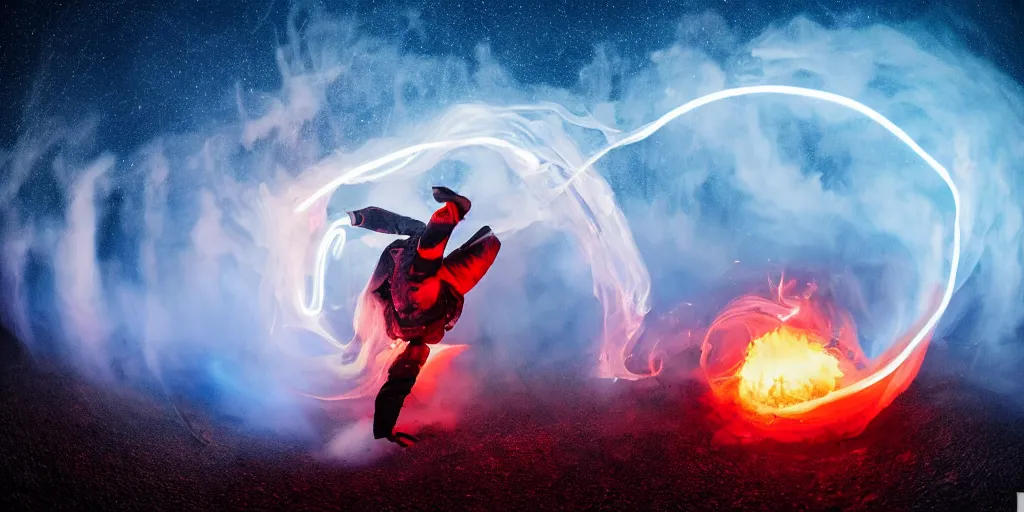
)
(383, 221)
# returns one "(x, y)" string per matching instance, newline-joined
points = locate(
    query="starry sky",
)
(162, 66)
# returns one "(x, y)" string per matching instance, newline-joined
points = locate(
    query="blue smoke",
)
(145, 264)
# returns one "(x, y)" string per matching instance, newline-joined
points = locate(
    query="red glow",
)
(790, 367)
(441, 357)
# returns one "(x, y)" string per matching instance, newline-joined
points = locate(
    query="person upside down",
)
(422, 290)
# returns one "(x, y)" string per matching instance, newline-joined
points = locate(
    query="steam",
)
(192, 261)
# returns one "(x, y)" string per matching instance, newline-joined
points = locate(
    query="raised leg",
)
(432, 243)
(465, 266)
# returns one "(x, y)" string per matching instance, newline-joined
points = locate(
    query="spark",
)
(793, 312)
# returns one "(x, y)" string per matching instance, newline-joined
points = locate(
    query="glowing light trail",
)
(334, 237)
(363, 172)
(875, 116)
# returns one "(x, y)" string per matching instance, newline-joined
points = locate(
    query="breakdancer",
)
(422, 291)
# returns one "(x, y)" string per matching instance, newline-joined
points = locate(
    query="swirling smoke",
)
(187, 261)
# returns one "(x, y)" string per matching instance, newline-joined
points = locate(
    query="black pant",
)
(401, 378)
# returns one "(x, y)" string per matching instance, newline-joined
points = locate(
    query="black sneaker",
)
(355, 219)
(402, 439)
(445, 195)
(479, 235)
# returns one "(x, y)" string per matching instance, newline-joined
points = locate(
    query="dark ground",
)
(628, 446)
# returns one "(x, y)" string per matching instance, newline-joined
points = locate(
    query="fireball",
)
(786, 367)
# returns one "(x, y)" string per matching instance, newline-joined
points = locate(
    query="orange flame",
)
(786, 367)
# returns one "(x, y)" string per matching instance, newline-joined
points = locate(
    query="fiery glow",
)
(785, 367)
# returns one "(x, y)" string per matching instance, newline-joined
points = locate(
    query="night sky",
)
(152, 67)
